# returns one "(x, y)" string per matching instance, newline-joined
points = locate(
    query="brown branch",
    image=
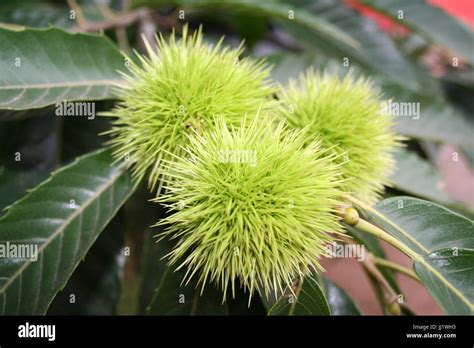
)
(79, 17)
(119, 21)
(120, 33)
(389, 296)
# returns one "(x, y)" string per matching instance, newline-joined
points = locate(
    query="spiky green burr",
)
(252, 204)
(346, 115)
(179, 89)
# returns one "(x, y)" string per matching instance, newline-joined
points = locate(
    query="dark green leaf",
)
(426, 230)
(431, 22)
(62, 217)
(13, 184)
(424, 226)
(437, 121)
(457, 267)
(240, 304)
(274, 9)
(43, 67)
(96, 282)
(307, 299)
(171, 297)
(251, 28)
(375, 51)
(35, 14)
(152, 269)
(339, 301)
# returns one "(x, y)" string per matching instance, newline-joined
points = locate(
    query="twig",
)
(121, 32)
(396, 267)
(79, 17)
(119, 21)
(147, 28)
(389, 296)
(368, 262)
(351, 217)
(381, 234)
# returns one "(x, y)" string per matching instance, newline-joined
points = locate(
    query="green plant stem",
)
(351, 217)
(389, 296)
(396, 267)
(367, 227)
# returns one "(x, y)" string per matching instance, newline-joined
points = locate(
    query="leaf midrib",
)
(81, 83)
(120, 170)
(391, 223)
(421, 260)
(417, 257)
(297, 294)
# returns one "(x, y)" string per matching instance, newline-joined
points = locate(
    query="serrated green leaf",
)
(430, 22)
(43, 67)
(35, 14)
(307, 299)
(13, 184)
(339, 301)
(63, 217)
(417, 176)
(427, 229)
